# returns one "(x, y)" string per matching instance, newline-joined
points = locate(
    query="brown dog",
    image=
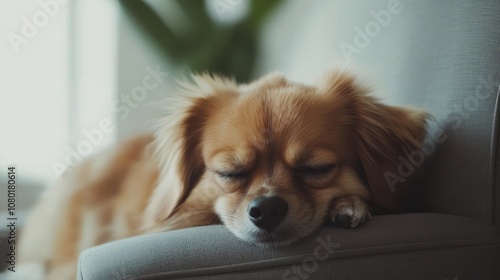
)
(271, 160)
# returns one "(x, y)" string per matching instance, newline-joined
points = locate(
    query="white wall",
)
(136, 54)
(34, 82)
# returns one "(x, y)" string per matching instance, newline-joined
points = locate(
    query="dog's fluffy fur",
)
(324, 149)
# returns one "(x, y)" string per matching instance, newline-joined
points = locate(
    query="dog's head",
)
(274, 154)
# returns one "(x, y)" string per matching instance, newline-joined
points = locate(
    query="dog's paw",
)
(349, 212)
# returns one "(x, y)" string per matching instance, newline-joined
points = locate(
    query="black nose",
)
(267, 212)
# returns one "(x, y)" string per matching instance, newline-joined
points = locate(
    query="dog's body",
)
(272, 160)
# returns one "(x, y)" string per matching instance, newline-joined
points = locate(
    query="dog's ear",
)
(178, 142)
(384, 136)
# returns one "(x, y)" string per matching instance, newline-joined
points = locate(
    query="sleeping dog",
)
(272, 160)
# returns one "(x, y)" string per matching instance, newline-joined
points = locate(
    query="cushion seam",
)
(327, 260)
(207, 270)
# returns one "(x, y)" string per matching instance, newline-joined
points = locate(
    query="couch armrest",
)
(406, 246)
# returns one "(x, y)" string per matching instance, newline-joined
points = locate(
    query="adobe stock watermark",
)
(31, 26)
(461, 112)
(310, 264)
(372, 29)
(122, 106)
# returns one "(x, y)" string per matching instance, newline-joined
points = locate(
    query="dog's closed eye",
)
(232, 174)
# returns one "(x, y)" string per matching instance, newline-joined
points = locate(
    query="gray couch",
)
(443, 56)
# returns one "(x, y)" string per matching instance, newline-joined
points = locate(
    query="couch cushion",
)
(434, 246)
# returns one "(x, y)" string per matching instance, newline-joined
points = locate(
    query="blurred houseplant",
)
(203, 44)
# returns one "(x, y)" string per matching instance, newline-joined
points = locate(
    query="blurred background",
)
(78, 76)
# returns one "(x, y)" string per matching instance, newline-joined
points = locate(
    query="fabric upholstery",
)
(406, 246)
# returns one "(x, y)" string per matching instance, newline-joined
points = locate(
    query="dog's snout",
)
(267, 212)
